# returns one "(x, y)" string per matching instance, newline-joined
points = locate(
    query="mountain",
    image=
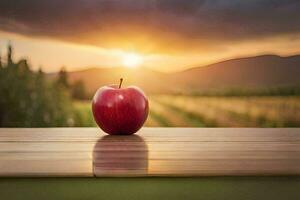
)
(266, 71)
(151, 81)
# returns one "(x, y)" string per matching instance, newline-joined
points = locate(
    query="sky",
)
(166, 35)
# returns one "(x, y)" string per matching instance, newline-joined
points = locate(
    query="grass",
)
(195, 111)
(160, 119)
(83, 116)
(194, 119)
(209, 188)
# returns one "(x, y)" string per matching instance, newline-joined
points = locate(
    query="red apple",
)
(120, 111)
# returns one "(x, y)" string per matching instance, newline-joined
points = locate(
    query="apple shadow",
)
(116, 155)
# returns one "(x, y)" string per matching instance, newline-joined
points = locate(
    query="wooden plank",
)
(20, 167)
(153, 152)
(154, 155)
(160, 134)
(151, 146)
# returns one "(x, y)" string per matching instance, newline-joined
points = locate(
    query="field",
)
(199, 111)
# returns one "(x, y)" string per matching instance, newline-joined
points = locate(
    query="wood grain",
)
(151, 152)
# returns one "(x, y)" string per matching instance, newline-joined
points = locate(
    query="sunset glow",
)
(132, 60)
(168, 36)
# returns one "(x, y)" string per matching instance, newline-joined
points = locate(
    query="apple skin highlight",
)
(120, 111)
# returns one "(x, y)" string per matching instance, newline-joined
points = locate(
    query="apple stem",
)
(121, 81)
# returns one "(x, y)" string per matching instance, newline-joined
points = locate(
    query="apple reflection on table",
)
(120, 155)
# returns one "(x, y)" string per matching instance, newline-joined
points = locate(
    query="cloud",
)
(152, 25)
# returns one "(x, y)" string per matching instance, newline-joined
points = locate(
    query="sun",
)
(132, 60)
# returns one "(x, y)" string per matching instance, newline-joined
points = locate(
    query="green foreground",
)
(151, 188)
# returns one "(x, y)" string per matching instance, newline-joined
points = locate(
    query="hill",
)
(151, 81)
(266, 71)
(253, 72)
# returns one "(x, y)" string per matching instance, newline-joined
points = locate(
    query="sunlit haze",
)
(132, 60)
(51, 54)
(160, 35)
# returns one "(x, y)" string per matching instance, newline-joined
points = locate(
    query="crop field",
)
(194, 111)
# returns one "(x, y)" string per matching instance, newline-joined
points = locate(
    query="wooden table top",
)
(151, 152)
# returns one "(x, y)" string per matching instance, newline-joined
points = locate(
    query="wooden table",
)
(243, 155)
(80, 152)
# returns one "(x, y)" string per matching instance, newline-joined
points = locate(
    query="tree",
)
(28, 99)
(78, 90)
(9, 55)
(0, 61)
(62, 79)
